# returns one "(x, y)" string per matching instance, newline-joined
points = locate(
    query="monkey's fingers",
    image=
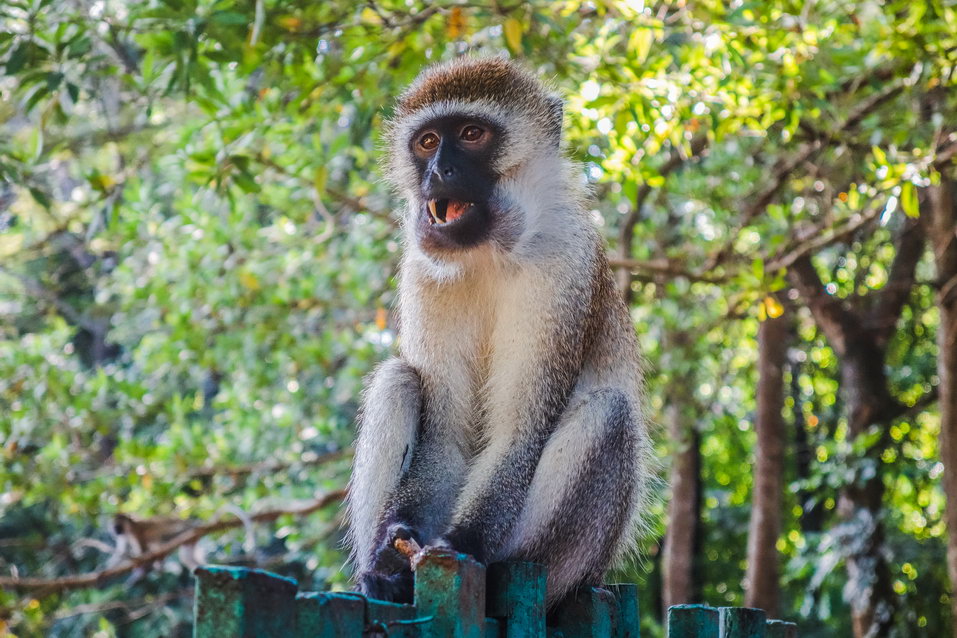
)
(407, 548)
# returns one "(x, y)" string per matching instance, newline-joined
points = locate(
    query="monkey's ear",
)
(556, 112)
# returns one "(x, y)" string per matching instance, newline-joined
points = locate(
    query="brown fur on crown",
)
(472, 79)
(492, 79)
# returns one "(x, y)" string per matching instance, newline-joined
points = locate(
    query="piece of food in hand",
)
(407, 548)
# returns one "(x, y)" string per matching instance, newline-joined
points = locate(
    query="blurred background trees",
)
(196, 261)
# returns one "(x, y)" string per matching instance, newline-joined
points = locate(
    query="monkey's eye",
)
(429, 142)
(472, 133)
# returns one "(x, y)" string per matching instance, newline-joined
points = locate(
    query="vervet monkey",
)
(511, 424)
(137, 536)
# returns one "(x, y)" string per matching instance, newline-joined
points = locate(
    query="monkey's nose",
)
(443, 174)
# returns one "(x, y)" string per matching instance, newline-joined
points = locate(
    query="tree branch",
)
(260, 467)
(825, 237)
(38, 291)
(149, 602)
(97, 578)
(782, 172)
(831, 314)
(900, 281)
(268, 467)
(626, 234)
(664, 267)
(944, 155)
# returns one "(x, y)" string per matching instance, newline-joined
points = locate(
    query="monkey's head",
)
(462, 133)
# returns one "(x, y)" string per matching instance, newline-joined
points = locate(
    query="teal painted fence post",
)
(780, 629)
(692, 621)
(626, 620)
(450, 587)
(741, 622)
(230, 602)
(329, 615)
(396, 620)
(451, 602)
(585, 613)
(515, 594)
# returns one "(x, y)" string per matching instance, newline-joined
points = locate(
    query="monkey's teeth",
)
(435, 217)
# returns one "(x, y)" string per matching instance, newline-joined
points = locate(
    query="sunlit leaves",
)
(216, 162)
(908, 199)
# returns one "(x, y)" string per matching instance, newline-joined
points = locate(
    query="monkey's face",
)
(454, 158)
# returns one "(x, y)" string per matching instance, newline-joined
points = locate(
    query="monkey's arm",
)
(493, 497)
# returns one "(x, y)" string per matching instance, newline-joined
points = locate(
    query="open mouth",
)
(443, 211)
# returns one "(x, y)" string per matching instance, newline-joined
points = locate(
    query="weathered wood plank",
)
(741, 622)
(515, 594)
(236, 602)
(450, 587)
(692, 621)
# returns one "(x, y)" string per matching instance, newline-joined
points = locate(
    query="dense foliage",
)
(197, 252)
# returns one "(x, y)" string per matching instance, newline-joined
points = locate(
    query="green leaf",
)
(640, 42)
(909, 202)
(229, 18)
(41, 197)
(17, 59)
(512, 30)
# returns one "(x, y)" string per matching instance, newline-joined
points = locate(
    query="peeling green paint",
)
(456, 597)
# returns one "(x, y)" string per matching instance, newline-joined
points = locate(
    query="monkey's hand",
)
(464, 541)
(391, 577)
(398, 535)
(388, 557)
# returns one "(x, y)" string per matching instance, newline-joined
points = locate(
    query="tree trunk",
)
(762, 578)
(863, 385)
(858, 333)
(812, 509)
(942, 224)
(684, 510)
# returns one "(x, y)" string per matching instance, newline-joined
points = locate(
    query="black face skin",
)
(454, 157)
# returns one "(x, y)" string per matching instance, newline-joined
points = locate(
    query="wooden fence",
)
(455, 597)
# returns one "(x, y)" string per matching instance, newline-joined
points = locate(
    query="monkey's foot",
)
(393, 588)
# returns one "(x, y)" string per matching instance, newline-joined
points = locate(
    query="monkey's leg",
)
(529, 382)
(578, 515)
(405, 475)
(388, 426)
